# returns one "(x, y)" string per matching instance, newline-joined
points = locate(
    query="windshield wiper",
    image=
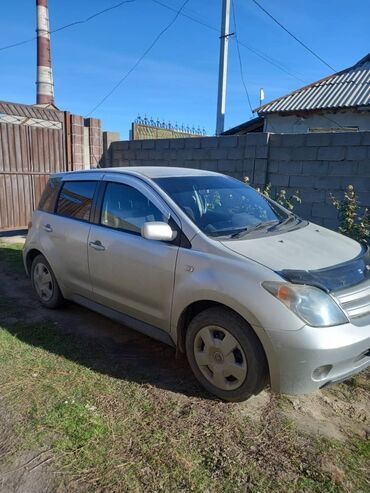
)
(283, 223)
(254, 227)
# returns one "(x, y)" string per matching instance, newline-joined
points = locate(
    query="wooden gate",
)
(33, 144)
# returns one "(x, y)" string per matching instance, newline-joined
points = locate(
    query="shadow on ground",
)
(109, 348)
(88, 338)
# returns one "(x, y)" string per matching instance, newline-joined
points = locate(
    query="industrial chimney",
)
(44, 84)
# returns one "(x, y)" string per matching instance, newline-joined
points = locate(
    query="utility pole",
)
(222, 74)
(44, 83)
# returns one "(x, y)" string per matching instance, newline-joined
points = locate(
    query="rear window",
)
(76, 198)
(49, 195)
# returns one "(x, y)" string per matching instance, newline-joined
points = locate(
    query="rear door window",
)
(75, 199)
(49, 195)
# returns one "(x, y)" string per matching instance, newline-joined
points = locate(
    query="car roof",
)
(151, 171)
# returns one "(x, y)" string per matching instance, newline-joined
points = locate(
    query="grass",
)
(106, 433)
(10, 254)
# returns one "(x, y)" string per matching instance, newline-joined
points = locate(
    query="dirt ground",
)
(340, 412)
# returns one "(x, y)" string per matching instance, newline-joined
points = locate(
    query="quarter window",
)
(127, 209)
(76, 198)
(49, 195)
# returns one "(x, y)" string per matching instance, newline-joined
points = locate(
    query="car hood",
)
(308, 248)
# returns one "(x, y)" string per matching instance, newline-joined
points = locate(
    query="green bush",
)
(354, 220)
(281, 197)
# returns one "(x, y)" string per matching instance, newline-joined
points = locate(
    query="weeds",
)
(354, 220)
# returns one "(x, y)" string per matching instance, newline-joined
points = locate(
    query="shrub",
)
(354, 220)
(281, 197)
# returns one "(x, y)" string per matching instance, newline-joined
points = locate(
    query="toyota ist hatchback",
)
(203, 262)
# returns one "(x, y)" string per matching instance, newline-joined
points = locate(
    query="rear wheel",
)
(45, 283)
(225, 355)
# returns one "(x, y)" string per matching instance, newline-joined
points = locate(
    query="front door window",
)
(127, 209)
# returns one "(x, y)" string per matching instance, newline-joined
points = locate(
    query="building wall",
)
(291, 124)
(95, 141)
(86, 142)
(314, 164)
(77, 141)
(108, 138)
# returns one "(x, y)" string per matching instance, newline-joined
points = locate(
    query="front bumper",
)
(295, 355)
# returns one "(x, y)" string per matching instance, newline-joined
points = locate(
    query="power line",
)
(184, 14)
(258, 53)
(140, 59)
(292, 35)
(81, 21)
(240, 58)
(267, 59)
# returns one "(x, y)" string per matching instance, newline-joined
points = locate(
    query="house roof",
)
(253, 125)
(349, 88)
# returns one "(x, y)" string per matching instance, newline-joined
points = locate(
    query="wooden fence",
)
(34, 142)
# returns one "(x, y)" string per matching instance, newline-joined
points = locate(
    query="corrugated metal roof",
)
(346, 89)
(253, 125)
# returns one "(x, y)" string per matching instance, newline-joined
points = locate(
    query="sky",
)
(177, 81)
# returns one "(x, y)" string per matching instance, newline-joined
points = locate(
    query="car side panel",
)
(234, 281)
(66, 251)
(133, 275)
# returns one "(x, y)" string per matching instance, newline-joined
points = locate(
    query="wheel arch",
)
(198, 306)
(30, 256)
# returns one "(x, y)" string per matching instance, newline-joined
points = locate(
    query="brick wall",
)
(315, 164)
(95, 140)
(86, 142)
(236, 156)
(77, 141)
(318, 165)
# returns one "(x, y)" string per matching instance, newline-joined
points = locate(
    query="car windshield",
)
(223, 206)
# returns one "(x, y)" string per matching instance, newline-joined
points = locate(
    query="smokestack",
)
(44, 84)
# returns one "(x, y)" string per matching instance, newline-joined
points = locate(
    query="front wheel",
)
(45, 283)
(225, 355)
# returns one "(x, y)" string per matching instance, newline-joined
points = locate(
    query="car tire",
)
(225, 355)
(45, 284)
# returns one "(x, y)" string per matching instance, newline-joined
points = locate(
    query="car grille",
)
(355, 301)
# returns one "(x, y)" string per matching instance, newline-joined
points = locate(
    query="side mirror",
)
(157, 230)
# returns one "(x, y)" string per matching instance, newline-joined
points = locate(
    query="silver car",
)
(250, 292)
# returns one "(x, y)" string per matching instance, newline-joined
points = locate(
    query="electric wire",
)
(71, 24)
(140, 59)
(292, 35)
(258, 53)
(240, 58)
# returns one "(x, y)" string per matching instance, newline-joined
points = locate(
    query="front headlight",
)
(310, 304)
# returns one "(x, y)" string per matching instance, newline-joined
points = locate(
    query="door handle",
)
(47, 228)
(96, 245)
